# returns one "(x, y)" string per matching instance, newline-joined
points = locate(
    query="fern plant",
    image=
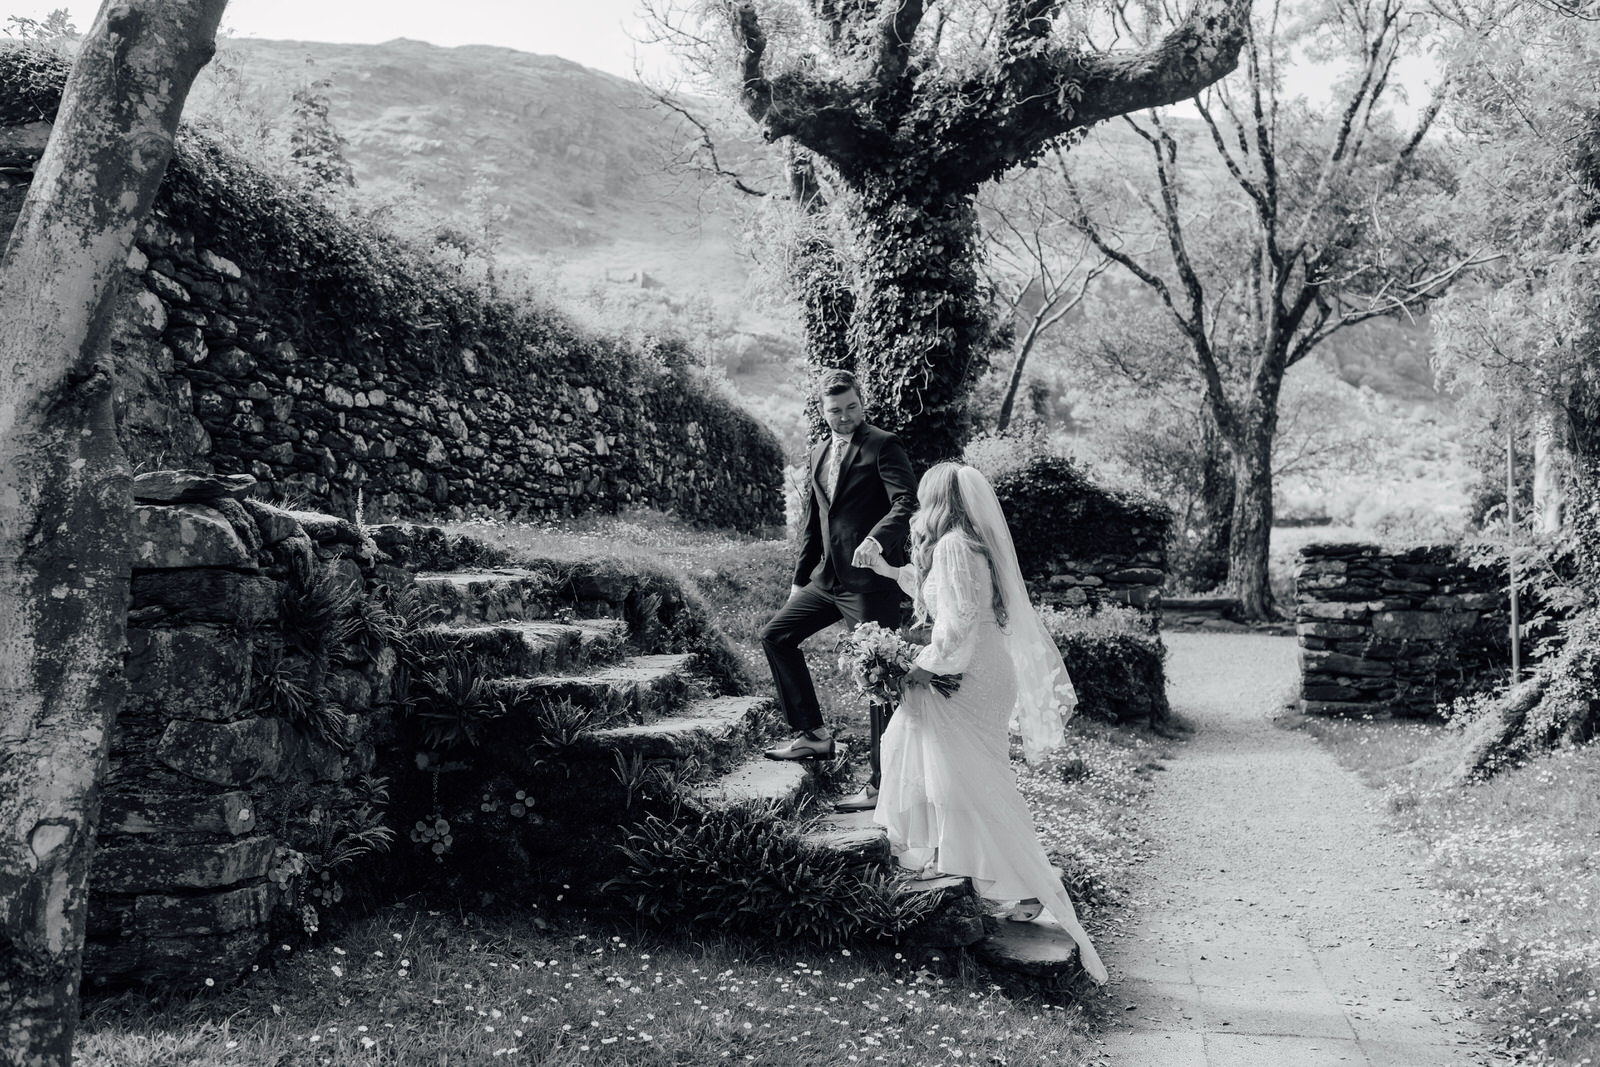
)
(747, 869)
(451, 703)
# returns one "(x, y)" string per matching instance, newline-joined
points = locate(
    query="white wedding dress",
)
(948, 795)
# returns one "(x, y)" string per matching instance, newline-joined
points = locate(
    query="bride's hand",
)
(918, 676)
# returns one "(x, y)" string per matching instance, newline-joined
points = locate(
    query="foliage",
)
(745, 869)
(1115, 662)
(1056, 512)
(31, 82)
(450, 704)
(316, 147)
(1518, 349)
(54, 27)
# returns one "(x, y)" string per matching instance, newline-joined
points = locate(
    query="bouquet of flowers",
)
(878, 659)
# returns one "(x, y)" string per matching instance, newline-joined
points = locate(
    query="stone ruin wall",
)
(213, 373)
(210, 795)
(1131, 575)
(1396, 632)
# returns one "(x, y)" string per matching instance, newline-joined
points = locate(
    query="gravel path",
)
(1280, 921)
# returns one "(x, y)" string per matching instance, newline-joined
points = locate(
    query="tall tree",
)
(912, 105)
(1514, 346)
(1278, 225)
(65, 493)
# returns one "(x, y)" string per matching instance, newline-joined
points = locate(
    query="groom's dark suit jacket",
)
(875, 497)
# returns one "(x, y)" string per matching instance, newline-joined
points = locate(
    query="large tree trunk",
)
(820, 280)
(919, 331)
(1549, 470)
(1208, 567)
(65, 499)
(1251, 541)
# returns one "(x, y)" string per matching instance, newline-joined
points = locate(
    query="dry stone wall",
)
(213, 368)
(1396, 632)
(241, 743)
(1132, 577)
(259, 333)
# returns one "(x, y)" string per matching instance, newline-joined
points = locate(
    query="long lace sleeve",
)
(907, 577)
(960, 579)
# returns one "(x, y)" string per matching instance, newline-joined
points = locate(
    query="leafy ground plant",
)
(1516, 855)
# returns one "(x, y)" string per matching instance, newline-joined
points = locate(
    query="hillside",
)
(580, 160)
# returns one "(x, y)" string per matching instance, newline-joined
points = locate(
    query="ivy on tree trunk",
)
(65, 494)
(912, 137)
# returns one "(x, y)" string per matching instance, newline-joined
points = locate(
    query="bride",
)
(948, 797)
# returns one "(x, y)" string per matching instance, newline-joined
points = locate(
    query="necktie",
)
(835, 461)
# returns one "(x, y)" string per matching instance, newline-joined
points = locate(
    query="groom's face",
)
(843, 412)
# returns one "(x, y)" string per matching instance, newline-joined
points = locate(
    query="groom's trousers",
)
(807, 612)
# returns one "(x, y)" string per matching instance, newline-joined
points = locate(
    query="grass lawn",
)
(1520, 857)
(420, 982)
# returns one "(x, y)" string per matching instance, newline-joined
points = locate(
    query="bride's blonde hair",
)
(942, 510)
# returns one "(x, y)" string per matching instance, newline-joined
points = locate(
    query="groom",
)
(860, 491)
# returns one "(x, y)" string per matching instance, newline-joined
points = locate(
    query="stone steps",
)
(469, 597)
(648, 707)
(853, 835)
(1033, 950)
(715, 733)
(1036, 952)
(534, 647)
(634, 690)
(756, 779)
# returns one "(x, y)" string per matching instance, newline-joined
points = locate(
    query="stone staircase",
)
(1032, 955)
(642, 704)
(601, 698)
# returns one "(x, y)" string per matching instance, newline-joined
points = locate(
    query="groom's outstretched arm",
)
(894, 470)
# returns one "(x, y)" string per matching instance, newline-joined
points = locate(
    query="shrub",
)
(31, 82)
(1056, 512)
(1116, 663)
(747, 869)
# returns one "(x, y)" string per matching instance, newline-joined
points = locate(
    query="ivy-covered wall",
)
(1080, 544)
(260, 333)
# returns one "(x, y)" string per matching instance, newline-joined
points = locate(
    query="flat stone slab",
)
(714, 731)
(1034, 949)
(637, 690)
(536, 646)
(756, 779)
(860, 845)
(189, 487)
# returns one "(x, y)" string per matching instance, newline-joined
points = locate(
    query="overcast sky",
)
(595, 33)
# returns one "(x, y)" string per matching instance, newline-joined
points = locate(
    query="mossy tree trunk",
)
(920, 331)
(65, 496)
(911, 138)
